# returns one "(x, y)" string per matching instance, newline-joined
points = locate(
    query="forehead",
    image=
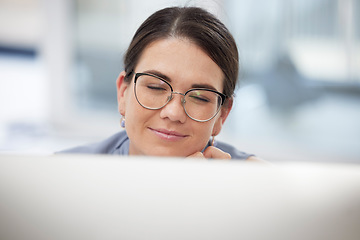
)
(182, 61)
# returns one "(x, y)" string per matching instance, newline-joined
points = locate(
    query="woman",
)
(177, 88)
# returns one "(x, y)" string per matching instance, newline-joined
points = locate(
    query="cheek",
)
(134, 112)
(203, 132)
(136, 116)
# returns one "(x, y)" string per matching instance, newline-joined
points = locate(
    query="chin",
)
(168, 153)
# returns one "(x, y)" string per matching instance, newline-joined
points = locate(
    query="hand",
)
(211, 152)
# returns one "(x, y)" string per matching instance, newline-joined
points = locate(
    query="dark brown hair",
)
(195, 24)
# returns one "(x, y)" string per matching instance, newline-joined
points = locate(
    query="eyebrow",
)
(168, 79)
(207, 86)
(159, 74)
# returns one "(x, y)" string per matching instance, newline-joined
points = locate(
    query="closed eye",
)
(199, 99)
(157, 88)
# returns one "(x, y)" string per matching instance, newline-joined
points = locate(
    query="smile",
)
(168, 135)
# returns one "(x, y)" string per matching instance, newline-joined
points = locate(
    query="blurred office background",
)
(299, 93)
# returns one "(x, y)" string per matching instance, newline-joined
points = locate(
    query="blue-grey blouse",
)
(118, 144)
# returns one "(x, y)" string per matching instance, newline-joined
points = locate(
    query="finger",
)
(196, 155)
(213, 152)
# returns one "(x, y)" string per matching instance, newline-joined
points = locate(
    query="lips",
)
(168, 135)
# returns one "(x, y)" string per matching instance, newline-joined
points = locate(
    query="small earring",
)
(212, 141)
(122, 121)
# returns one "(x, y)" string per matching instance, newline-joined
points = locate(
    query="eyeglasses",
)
(152, 92)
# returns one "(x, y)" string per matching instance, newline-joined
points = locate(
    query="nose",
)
(174, 109)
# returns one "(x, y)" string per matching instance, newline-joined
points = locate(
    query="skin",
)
(169, 131)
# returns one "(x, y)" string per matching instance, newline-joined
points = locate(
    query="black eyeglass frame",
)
(223, 96)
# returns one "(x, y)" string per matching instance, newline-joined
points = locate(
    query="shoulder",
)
(234, 152)
(110, 145)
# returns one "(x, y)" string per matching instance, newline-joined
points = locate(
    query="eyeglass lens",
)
(154, 93)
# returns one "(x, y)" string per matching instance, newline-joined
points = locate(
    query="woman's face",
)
(169, 131)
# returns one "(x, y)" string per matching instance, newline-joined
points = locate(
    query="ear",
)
(121, 87)
(224, 113)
